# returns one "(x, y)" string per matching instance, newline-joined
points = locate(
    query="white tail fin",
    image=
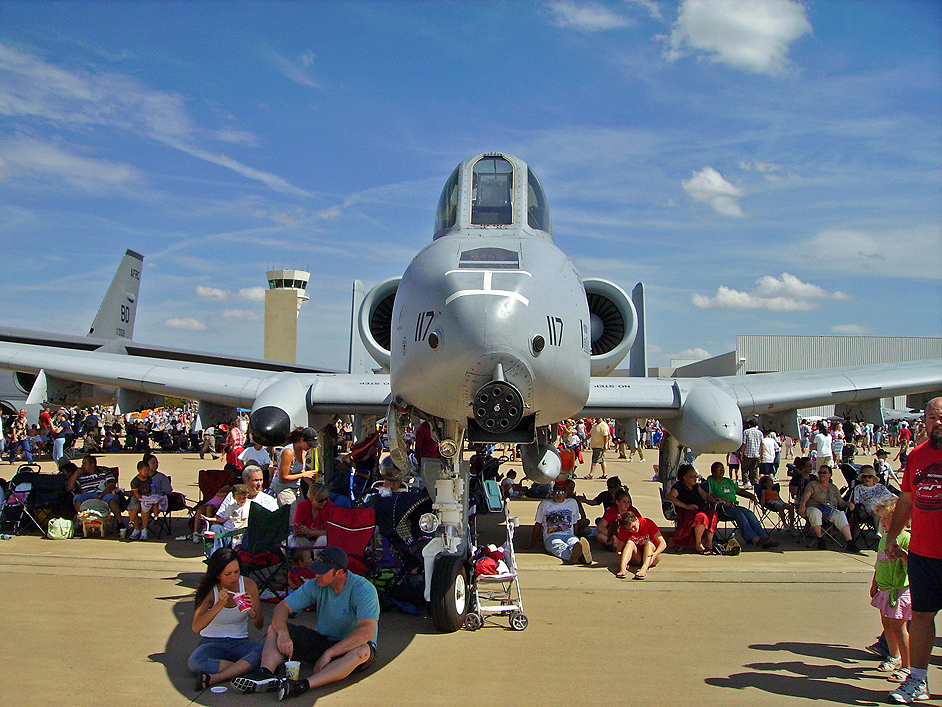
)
(115, 318)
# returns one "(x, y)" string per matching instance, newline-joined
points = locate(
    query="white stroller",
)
(498, 594)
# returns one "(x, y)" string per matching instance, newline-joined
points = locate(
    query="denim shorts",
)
(925, 583)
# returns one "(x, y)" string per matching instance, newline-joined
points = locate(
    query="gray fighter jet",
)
(491, 335)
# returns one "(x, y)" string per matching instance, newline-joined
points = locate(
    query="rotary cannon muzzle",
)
(498, 407)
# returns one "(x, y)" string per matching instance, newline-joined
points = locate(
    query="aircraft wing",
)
(219, 384)
(704, 413)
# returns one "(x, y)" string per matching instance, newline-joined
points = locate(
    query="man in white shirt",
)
(559, 516)
(770, 447)
(253, 478)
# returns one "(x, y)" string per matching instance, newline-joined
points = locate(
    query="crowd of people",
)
(358, 473)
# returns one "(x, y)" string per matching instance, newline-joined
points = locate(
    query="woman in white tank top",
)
(225, 603)
(286, 482)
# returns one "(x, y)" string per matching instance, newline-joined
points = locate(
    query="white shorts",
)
(815, 517)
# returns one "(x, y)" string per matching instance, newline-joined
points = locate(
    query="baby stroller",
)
(497, 594)
(31, 498)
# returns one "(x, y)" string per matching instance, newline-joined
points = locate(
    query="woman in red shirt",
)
(640, 542)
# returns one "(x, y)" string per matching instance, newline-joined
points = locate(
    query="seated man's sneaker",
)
(144, 534)
(292, 688)
(821, 544)
(913, 690)
(259, 680)
(136, 535)
(576, 553)
(586, 551)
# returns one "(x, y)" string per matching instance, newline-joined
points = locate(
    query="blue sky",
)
(765, 167)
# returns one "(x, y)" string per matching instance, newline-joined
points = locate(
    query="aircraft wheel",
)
(449, 593)
(519, 621)
(472, 622)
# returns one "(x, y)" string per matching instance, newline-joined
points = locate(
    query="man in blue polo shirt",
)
(344, 640)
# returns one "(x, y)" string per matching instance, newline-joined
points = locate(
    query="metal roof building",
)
(767, 354)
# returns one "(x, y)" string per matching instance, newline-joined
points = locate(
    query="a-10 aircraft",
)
(490, 335)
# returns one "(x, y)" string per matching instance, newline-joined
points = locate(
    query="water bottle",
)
(6, 536)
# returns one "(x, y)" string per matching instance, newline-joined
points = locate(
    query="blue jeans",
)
(58, 448)
(206, 657)
(27, 450)
(746, 521)
(560, 545)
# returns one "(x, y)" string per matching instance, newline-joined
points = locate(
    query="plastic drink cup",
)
(293, 669)
(123, 532)
(243, 602)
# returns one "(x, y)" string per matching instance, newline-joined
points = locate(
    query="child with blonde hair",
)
(889, 593)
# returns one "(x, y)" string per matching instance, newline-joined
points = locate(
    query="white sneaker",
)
(910, 691)
(197, 538)
(136, 535)
(890, 664)
(144, 534)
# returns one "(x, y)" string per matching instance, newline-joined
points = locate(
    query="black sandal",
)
(202, 682)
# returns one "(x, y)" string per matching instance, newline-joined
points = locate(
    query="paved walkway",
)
(105, 622)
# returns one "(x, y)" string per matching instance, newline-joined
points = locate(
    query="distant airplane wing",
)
(704, 413)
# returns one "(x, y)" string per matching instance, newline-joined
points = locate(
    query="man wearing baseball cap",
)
(344, 640)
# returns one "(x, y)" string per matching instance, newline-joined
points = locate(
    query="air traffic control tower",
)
(287, 291)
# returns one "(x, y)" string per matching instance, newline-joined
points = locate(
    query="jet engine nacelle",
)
(613, 322)
(541, 462)
(278, 409)
(375, 320)
(709, 422)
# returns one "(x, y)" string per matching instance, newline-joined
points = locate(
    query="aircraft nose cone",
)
(270, 425)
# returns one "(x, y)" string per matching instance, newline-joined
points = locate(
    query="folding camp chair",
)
(33, 497)
(176, 501)
(264, 549)
(351, 529)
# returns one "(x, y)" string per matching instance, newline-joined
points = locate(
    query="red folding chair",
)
(351, 529)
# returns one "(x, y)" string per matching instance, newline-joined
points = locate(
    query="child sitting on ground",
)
(509, 485)
(889, 593)
(771, 499)
(300, 570)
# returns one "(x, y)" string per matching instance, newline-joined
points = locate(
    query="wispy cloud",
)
(912, 252)
(297, 70)
(22, 156)
(243, 315)
(32, 88)
(783, 294)
(754, 35)
(212, 293)
(186, 323)
(711, 188)
(252, 294)
(586, 16)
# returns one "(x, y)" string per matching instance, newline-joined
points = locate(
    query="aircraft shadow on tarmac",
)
(831, 682)
(396, 632)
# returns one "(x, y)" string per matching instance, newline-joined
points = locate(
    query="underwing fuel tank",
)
(710, 421)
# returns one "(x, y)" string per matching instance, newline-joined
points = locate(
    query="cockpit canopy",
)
(486, 191)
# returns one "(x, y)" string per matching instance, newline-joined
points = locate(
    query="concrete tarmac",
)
(107, 622)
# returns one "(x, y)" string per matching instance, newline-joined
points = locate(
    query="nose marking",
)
(486, 288)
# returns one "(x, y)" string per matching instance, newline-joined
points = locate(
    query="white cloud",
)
(191, 324)
(253, 294)
(696, 353)
(912, 252)
(654, 10)
(851, 329)
(212, 293)
(30, 87)
(244, 315)
(24, 156)
(710, 187)
(753, 35)
(750, 165)
(296, 70)
(586, 16)
(783, 294)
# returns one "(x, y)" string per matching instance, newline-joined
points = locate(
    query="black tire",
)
(449, 593)
(519, 621)
(472, 622)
